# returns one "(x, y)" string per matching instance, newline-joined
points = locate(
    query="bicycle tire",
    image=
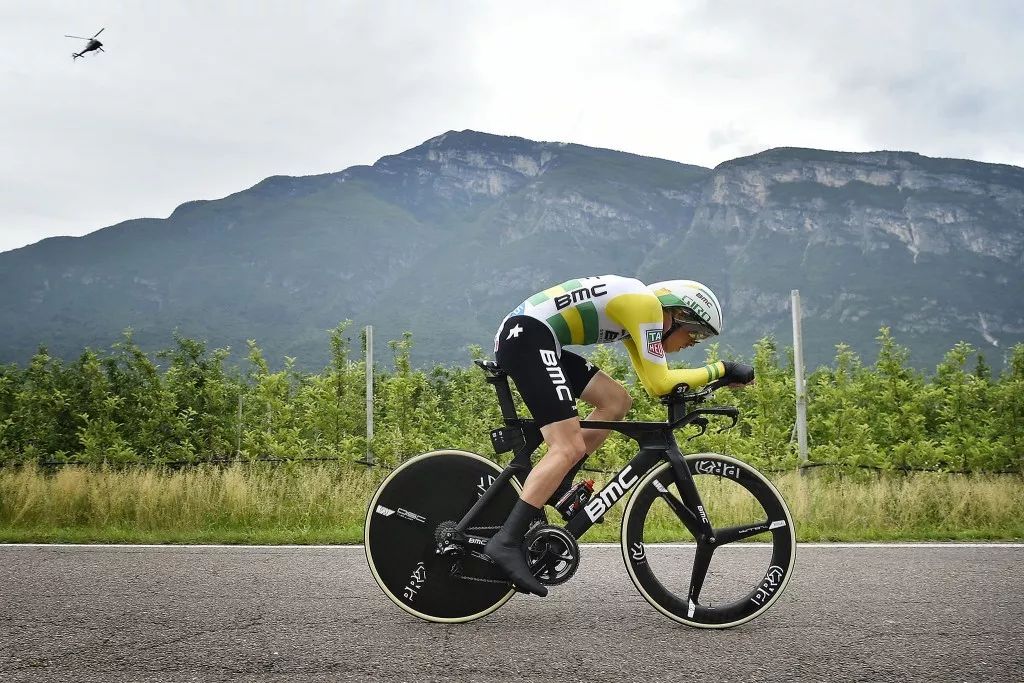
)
(766, 583)
(399, 536)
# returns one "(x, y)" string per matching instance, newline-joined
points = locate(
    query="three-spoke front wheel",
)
(716, 582)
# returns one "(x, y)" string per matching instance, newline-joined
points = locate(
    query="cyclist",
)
(651, 320)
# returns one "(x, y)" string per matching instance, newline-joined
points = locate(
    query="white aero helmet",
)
(693, 306)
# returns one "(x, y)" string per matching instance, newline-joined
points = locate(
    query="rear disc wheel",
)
(428, 493)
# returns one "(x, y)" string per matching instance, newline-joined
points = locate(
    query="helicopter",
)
(93, 44)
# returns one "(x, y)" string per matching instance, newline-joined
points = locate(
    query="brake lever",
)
(701, 422)
(735, 420)
(726, 411)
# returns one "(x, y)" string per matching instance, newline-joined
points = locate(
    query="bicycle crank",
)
(552, 553)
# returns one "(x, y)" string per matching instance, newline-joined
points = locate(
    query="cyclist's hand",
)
(737, 374)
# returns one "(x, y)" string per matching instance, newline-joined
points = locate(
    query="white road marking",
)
(173, 546)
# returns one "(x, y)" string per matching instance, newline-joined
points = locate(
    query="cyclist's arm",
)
(641, 315)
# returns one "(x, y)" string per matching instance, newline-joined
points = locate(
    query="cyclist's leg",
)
(611, 401)
(566, 447)
(527, 350)
(549, 381)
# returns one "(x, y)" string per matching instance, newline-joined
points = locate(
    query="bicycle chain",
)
(477, 578)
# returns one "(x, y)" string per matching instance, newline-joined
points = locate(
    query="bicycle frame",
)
(656, 440)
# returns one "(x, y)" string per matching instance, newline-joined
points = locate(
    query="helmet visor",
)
(688, 321)
(697, 333)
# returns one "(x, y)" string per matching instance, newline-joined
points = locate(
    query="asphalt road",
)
(119, 613)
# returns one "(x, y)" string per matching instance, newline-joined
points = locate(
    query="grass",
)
(921, 506)
(325, 503)
(237, 504)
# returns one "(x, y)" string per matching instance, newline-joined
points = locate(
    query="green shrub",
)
(122, 407)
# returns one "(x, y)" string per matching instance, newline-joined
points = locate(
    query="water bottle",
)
(575, 498)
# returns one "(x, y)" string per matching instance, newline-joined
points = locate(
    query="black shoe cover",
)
(509, 554)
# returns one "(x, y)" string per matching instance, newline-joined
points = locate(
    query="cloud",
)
(941, 78)
(197, 100)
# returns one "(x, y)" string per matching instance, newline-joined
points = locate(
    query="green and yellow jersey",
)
(609, 308)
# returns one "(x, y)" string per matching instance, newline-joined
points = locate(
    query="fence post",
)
(801, 387)
(369, 460)
(238, 438)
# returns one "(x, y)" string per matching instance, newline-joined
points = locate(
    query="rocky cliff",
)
(444, 238)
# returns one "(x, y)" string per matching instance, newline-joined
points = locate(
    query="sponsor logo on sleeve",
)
(653, 346)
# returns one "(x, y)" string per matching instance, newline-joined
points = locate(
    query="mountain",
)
(443, 239)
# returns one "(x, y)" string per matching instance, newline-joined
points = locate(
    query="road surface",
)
(212, 613)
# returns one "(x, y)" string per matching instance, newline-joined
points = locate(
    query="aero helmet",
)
(693, 306)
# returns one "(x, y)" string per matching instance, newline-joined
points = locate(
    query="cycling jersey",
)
(608, 308)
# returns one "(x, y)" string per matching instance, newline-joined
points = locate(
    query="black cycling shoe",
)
(506, 549)
(510, 556)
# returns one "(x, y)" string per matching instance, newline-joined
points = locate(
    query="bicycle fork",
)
(691, 513)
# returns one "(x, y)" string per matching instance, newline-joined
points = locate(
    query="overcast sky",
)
(196, 100)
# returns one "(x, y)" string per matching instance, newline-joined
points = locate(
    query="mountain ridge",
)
(445, 237)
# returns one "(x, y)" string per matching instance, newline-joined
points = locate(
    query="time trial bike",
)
(706, 538)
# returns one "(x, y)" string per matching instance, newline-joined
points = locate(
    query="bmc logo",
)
(611, 493)
(578, 295)
(550, 360)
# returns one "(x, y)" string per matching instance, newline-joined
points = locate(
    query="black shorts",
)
(548, 380)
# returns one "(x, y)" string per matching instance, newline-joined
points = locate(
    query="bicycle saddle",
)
(490, 367)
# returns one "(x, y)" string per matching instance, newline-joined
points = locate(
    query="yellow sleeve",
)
(641, 315)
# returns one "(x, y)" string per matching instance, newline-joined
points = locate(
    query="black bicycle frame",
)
(656, 440)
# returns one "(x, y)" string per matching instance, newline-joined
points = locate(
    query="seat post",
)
(498, 378)
(504, 391)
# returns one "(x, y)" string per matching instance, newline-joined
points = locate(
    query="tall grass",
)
(926, 505)
(236, 504)
(326, 503)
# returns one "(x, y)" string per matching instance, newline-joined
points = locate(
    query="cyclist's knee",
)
(566, 444)
(619, 402)
(565, 440)
(570, 450)
(608, 396)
